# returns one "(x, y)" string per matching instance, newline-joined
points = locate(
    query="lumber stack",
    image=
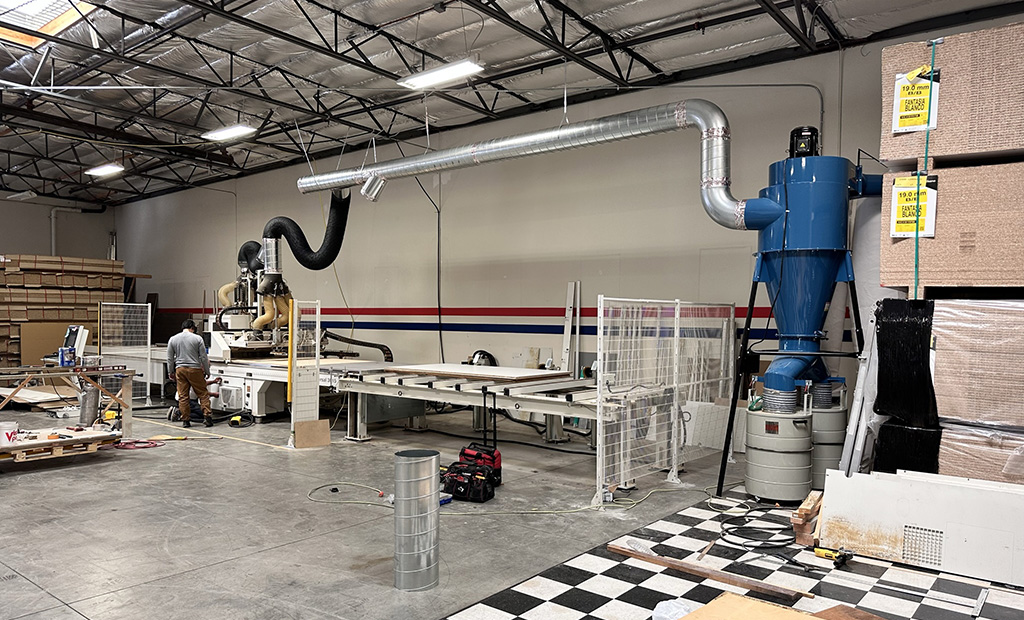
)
(974, 153)
(805, 519)
(60, 289)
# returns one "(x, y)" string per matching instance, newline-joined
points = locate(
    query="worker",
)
(188, 365)
(174, 414)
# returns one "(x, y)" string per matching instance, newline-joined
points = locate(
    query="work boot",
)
(207, 421)
(186, 424)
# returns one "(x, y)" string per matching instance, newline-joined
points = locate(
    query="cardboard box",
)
(312, 434)
(61, 296)
(978, 353)
(729, 606)
(981, 454)
(60, 264)
(42, 338)
(977, 231)
(981, 99)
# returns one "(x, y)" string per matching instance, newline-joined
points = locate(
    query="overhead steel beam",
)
(502, 17)
(193, 42)
(319, 49)
(606, 39)
(818, 13)
(395, 41)
(127, 141)
(794, 31)
(169, 71)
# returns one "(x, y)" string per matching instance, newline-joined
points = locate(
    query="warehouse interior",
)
(495, 309)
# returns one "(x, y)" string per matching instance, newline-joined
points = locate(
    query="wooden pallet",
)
(73, 443)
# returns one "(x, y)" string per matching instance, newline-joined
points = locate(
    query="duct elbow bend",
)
(784, 372)
(751, 214)
(337, 219)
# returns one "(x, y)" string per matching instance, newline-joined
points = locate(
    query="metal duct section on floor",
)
(417, 519)
(755, 213)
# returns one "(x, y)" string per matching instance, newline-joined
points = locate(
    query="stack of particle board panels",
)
(976, 151)
(978, 352)
(52, 288)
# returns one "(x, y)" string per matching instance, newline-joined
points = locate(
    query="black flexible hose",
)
(249, 256)
(337, 219)
(383, 348)
(231, 310)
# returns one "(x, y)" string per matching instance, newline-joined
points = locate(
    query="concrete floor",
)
(223, 529)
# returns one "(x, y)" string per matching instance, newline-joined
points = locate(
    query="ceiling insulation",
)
(139, 81)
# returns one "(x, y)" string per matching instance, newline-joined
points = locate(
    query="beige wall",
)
(26, 230)
(625, 218)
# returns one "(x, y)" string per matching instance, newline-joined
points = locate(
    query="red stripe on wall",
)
(760, 312)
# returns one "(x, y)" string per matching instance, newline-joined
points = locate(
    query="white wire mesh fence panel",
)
(125, 338)
(304, 341)
(661, 367)
(707, 337)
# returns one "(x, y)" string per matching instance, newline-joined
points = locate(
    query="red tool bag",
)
(468, 482)
(482, 454)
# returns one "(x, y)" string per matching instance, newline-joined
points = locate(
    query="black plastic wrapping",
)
(905, 447)
(905, 389)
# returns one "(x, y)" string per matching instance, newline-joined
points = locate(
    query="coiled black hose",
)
(249, 256)
(337, 219)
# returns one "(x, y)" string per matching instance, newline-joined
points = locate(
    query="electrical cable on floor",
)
(754, 537)
(620, 503)
(334, 489)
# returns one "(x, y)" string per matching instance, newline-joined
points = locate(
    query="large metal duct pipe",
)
(754, 213)
(417, 519)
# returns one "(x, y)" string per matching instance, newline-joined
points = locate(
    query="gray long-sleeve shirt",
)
(187, 350)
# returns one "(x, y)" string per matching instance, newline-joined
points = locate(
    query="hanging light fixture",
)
(229, 133)
(439, 76)
(105, 170)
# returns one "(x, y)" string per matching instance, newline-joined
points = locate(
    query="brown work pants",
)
(196, 379)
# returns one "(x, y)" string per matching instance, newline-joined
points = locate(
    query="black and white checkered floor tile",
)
(605, 585)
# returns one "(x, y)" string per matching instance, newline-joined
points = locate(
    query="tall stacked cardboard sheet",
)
(977, 231)
(979, 133)
(981, 98)
(978, 357)
(58, 289)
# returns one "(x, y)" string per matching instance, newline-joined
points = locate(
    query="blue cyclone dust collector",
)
(801, 256)
(802, 252)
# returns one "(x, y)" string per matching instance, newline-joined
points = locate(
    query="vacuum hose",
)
(286, 227)
(224, 293)
(249, 256)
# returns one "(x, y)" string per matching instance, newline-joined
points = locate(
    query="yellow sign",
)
(911, 99)
(913, 200)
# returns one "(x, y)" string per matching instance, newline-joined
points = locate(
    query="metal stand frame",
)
(745, 341)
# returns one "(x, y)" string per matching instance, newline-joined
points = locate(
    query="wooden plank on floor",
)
(754, 585)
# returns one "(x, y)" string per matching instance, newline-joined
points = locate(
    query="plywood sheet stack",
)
(975, 151)
(978, 357)
(52, 288)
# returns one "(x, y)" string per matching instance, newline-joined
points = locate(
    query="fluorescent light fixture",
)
(229, 133)
(25, 195)
(445, 74)
(105, 170)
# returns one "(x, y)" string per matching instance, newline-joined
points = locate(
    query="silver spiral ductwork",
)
(821, 395)
(708, 117)
(417, 519)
